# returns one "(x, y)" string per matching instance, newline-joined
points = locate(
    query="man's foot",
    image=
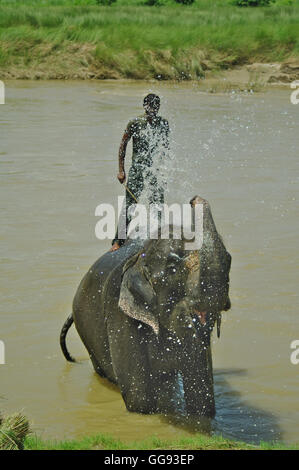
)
(115, 247)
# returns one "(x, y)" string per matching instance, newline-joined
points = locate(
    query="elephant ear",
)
(137, 297)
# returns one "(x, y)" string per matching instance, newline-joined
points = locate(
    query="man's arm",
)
(121, 156)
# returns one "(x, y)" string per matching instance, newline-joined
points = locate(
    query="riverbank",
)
(15, 434)
(128, 40)
(106, 442)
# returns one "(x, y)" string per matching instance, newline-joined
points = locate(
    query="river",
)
(58, 161)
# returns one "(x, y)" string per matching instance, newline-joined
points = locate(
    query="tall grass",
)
(177, 37)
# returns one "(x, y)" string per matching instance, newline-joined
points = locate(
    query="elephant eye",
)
(173, 263)
(172, 268)
(174, 258)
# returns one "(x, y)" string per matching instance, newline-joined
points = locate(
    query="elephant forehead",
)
(163, 246)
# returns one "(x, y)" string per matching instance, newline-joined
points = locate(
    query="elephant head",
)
(166, 286)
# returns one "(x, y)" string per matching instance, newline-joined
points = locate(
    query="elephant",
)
(145, 314)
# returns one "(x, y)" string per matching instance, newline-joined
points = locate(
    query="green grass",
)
(130, 40)
(101, 441)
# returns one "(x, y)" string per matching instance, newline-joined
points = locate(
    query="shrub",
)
(185, 2)
(252, 3)
(13, 430)
(151, 3)
(105, 2)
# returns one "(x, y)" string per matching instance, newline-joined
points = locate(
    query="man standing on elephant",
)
(150, 134)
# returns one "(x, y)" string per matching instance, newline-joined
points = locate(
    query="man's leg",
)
(118, 242)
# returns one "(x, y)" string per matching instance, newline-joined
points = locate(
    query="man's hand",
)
(121, 177)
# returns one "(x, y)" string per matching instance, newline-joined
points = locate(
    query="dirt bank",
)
(253, 76)
(82, 62)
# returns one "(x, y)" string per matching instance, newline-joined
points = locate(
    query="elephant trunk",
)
(209, 268)
(198, 381)
(214, 280)
(194, 359)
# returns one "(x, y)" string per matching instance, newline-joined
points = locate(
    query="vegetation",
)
(105, 2)
(106, 442)
(185, 2)
(128, 39)
(252, 3)
(15, 435)
(13, 430)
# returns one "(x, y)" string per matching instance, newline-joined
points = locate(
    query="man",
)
(150, 134)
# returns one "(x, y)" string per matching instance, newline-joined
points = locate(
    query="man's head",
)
(151, 104)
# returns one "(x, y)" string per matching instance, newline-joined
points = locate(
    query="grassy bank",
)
(15, 434)
(104, 442)
(64, 39)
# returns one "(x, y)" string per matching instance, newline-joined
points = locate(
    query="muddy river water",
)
(58, 161)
